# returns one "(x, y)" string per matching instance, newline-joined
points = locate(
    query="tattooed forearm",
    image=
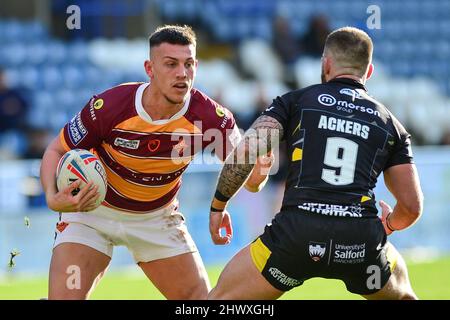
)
(268, 132)
(261, 138)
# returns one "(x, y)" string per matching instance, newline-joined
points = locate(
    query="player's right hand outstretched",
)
(217, 221)
(66, 201)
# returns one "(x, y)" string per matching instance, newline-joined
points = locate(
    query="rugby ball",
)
(79, 164)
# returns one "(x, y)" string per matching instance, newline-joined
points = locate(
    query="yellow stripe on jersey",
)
(392, 257)
(260, 254)
(297, 128)
(138, 192)
(137, 124)
(365, 198)
(297, 155)
(147, 165)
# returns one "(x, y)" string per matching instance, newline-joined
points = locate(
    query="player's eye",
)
(189, 64)
(171, 64)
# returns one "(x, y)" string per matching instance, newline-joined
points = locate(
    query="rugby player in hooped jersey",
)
(145, 134)
(339, 141)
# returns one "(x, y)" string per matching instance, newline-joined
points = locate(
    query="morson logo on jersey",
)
(342, 105)
(327, 100)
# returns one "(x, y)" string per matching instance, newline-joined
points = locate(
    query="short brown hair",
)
(173, 34)
(351, 48)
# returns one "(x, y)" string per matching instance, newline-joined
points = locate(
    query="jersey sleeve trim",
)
(399, 162)
(63, 140)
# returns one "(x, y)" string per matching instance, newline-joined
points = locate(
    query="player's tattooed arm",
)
(263, 136)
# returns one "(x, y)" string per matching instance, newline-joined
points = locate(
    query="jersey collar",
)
(145, 116)
(350, 82)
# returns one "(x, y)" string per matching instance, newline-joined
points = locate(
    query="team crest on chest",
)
(153, 145)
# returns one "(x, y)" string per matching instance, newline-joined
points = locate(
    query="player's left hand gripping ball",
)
(84, 166)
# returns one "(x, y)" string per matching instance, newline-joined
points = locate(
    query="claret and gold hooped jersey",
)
(144, 159)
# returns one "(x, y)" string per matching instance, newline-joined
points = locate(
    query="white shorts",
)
(150, 236)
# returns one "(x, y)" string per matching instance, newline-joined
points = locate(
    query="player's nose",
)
(182, 72)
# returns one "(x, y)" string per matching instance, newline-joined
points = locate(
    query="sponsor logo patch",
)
(352, 93)
(317, 250)
(77, 130)
(220, 111)
(327, 100)
(98, 104)
(125, 143)
(335, 210)
(342, 105)
(91, 110)
(349, 254)
(282, 278)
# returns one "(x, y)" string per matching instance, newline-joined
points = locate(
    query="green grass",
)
(430, 280)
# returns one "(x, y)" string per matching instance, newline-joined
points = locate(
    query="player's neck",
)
(157, 106)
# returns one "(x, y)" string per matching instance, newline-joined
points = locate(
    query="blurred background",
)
(55, 54)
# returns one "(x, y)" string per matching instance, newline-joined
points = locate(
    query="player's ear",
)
(369, 71)
(148, 65)
(327, 65)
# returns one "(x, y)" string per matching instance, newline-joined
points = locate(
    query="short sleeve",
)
(84, 130)
(229, 132)
(279, 110)
(401, 152)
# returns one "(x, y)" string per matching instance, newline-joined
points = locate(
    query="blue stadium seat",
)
(14, 54)
(209, 14)
(72, 76)
(36, 53)
(13, 30)
(77, 52)
(57, 52)
(439, 69)
(31, 78)
(224, 31)
(169, 9)
(43, 106)
(34, 31)
(66, 99)
(51, 77)
(407, 48)
(262, 28)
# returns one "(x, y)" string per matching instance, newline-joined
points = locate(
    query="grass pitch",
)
(430, 280)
